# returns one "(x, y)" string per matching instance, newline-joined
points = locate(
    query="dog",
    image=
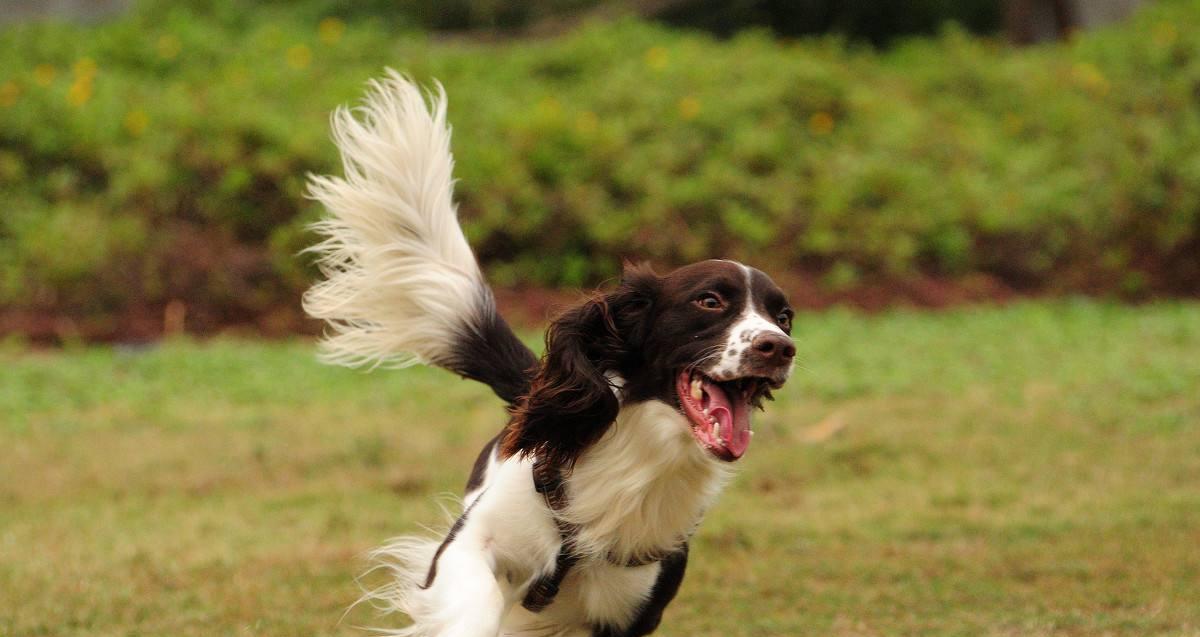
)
(577, 515)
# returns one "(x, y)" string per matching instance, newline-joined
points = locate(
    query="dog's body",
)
(577, 515)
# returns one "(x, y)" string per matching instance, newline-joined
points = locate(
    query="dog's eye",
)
(784, 319)
(710, 301)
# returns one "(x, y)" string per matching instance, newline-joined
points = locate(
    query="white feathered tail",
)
(401, 283)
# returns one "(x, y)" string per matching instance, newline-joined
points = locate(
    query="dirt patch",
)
(527, 307)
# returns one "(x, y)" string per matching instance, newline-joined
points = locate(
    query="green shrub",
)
(163, 156)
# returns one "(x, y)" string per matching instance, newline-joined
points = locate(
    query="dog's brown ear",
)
(572, 399)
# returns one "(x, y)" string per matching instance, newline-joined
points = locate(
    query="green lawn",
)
(1028, 470)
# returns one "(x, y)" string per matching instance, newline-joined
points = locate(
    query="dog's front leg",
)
(485, 564)
(447, 588)
(467, 584)
(465, 598)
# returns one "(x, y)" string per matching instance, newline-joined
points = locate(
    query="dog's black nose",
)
(773, 349)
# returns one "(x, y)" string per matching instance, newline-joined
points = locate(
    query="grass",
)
(1026, 470)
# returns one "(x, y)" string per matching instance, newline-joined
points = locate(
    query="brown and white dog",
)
(577, 514)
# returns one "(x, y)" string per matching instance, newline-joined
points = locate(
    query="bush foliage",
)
(163, 156)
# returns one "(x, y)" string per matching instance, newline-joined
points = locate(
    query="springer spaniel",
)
(577, 516)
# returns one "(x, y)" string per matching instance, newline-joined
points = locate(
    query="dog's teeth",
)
(716, 429)
(697, 391)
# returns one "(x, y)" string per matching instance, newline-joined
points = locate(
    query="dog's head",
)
(711, 339)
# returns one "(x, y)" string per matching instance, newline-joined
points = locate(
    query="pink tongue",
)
(734, 418)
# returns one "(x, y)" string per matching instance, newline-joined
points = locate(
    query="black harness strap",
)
(549, 482)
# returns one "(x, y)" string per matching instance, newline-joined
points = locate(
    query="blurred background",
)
(153, 155)
(988, 212)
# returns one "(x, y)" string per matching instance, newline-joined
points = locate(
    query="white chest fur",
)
(638, 492)
(642, 489)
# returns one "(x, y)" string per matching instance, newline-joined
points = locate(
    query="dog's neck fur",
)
(643, 487)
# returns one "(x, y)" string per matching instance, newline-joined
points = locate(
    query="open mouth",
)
(720, 411)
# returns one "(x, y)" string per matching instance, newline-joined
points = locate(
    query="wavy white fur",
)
(641, 490)
(400, 278)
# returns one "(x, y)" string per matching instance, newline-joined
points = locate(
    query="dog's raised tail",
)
(401, 285)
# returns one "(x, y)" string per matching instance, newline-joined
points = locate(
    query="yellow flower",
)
(821, 123)
(1013, 123)
(689, 108)
(169, 46)
(9, 92)
(80, 92)
(1090, 78)
(1164, 34)
(85, 69)
(299, 56)
(587, 122)
(656, 58)
(550, 106)
(136, 122)
(239, 75)
(330, 30)
(44, 74)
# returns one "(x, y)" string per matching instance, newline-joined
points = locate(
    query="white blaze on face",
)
(741, 334)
